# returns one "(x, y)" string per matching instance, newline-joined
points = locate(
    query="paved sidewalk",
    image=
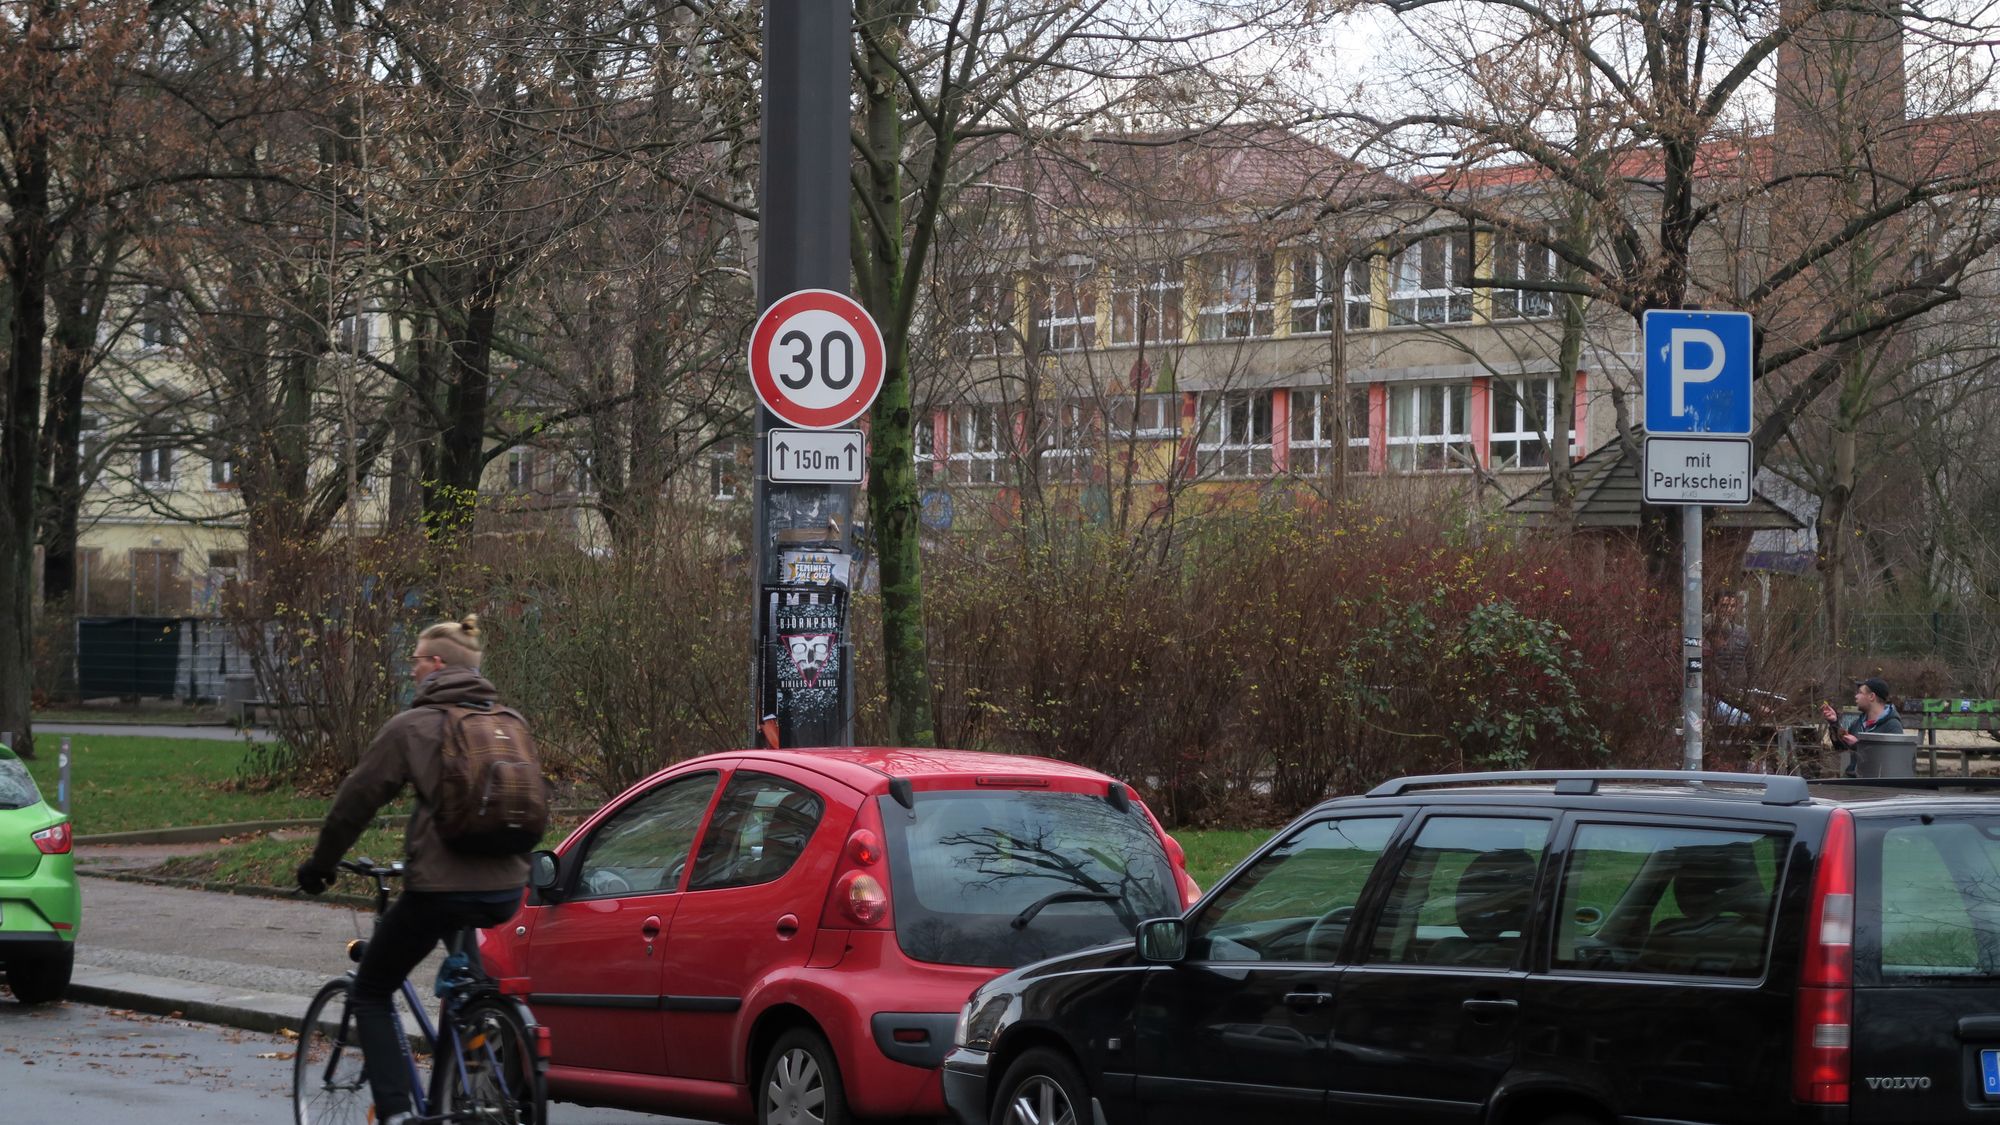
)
(157, 730)
(238, 960)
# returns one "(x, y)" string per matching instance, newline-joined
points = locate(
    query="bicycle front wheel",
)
(491, 1075)
(328, 1086)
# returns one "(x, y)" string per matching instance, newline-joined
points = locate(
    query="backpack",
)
(491, 799)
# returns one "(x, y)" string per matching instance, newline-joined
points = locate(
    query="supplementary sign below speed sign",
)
(816, 359)
(815, 456)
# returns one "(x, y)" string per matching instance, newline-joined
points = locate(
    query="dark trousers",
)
(414, 926)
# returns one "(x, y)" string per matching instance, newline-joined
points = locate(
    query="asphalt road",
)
(78, 1063)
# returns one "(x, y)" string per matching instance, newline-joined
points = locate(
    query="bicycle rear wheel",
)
(328, 1086)
(491, 1077)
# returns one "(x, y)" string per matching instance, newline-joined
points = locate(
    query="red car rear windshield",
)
(1000, 878)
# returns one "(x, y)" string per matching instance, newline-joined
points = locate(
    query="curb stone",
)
(268, 1012)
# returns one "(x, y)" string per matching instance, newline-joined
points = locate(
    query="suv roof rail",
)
(1939, 784)
(1778, 788)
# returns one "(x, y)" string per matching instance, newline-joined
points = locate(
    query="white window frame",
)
(521, 469)
(1519, 259)
(985, 325)
(583, 473)
(978, 443)
(1065, 436)
(1157, 288)
(156, 320)
(1313, 430)
(355, 332)
(1415, 446)
(1522, 430)
(1230, 445)
(1159, 416)
(89, 443)
(1237, 297)
(1424, 282)
(1314, 302)
(723, 466)
(923, 446)
(153, 466)
(1065, 306)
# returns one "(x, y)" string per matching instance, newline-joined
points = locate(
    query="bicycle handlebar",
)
(370, 869)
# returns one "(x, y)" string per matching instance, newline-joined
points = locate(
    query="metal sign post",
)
(1698, 412)
(1692, 711)
(801, 691)
(62, 776)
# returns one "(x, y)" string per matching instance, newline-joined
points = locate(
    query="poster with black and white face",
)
(805, 631)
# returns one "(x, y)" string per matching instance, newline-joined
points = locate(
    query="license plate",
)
(1989, 1074)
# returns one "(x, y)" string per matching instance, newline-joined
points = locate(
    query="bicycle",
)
(489, 1056)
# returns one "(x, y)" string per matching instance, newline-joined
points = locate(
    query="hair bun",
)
(470, 623)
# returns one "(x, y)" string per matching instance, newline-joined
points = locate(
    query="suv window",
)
(1659, 899)
(759, 830)
(1940, 899)
(644, 846)
(1463, 894)
(1295, 902)
(974, 874)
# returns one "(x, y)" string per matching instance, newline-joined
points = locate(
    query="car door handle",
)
(650, 928)
(1484, 1009)
(1305, 1000)
(788, 926)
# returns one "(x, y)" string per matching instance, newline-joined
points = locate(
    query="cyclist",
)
(445, 890)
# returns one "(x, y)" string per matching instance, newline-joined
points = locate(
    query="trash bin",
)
(1885, 755)
(238, 689)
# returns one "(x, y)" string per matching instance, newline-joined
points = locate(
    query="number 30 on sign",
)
(816, 359)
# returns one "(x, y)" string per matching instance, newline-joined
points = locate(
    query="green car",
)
(40, 906)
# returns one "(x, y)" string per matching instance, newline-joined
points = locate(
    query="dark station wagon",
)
(1537, 948)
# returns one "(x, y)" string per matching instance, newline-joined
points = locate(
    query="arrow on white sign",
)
(815, 456)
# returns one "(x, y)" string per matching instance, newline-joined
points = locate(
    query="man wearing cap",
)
(1871, 698)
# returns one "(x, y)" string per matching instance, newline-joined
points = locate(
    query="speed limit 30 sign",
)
(816, 359)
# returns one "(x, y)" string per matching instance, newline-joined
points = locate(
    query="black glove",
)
(313, 880)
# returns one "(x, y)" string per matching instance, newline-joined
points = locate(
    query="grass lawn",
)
(273, 861)
(1212, 854)
(119, 783)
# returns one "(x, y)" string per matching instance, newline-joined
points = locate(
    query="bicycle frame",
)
(443, 1035)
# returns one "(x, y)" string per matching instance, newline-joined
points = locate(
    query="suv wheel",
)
(801, 1083)
(41, 980)
(1042, 1088)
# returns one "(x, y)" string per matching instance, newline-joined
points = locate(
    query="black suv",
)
(1540, 948)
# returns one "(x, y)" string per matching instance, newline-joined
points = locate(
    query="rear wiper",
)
(1022, 919)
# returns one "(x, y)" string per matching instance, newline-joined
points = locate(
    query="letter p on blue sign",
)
(1698, 368)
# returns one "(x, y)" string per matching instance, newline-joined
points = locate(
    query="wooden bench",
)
(1929, 716)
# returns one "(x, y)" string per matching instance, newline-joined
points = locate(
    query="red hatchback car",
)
(788, 935)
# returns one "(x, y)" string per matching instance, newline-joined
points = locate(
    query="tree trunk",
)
(893, 502)
(28, 253)
(80, 293)
(450, 503)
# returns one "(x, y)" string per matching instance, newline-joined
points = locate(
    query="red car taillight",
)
(54, 840)
(860, 896)
(1823, 1031)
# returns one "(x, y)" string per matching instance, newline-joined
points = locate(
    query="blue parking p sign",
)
(1698, 368)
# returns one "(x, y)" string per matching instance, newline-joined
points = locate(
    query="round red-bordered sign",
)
(816, 359)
